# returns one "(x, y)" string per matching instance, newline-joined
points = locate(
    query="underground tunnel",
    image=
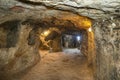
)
(35, 37)
(59, 40)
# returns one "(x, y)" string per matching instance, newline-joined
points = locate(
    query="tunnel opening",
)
(51, 47)
(71, 41)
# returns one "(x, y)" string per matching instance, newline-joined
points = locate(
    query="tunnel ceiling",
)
(77, 12)
(91, 8)
(60, 19)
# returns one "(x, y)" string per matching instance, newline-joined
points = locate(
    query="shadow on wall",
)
(9, 32)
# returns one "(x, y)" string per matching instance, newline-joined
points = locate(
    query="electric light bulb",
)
(90, 29)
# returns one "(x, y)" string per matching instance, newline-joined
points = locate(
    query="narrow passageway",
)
(60, 66)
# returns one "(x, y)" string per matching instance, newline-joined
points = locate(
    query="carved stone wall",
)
(107, 37)
(17, 58)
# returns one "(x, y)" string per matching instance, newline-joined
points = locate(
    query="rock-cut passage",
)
(60, 66)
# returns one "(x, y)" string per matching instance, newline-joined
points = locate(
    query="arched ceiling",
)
(53, 18)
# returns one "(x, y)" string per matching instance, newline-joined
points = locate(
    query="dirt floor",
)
(60, 66)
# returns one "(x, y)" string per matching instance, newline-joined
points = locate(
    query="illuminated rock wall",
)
(88, 47)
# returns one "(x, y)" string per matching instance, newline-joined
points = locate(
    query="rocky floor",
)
(60, 66)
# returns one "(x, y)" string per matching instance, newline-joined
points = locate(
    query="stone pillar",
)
(91, 48)
(88, 46)
(84, 43)
(91, 56)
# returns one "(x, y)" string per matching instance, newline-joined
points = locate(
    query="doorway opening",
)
(71, 41)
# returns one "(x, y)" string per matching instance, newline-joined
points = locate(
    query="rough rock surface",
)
(107, 37)
(105, 25)
(91, 8)
(20, 56)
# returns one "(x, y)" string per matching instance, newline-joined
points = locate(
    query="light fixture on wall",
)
(78, 38)
(46, 33)
(90, 29)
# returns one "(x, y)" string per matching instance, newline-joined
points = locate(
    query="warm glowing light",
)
(90, 29)
(45, 33)
(87, 23)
